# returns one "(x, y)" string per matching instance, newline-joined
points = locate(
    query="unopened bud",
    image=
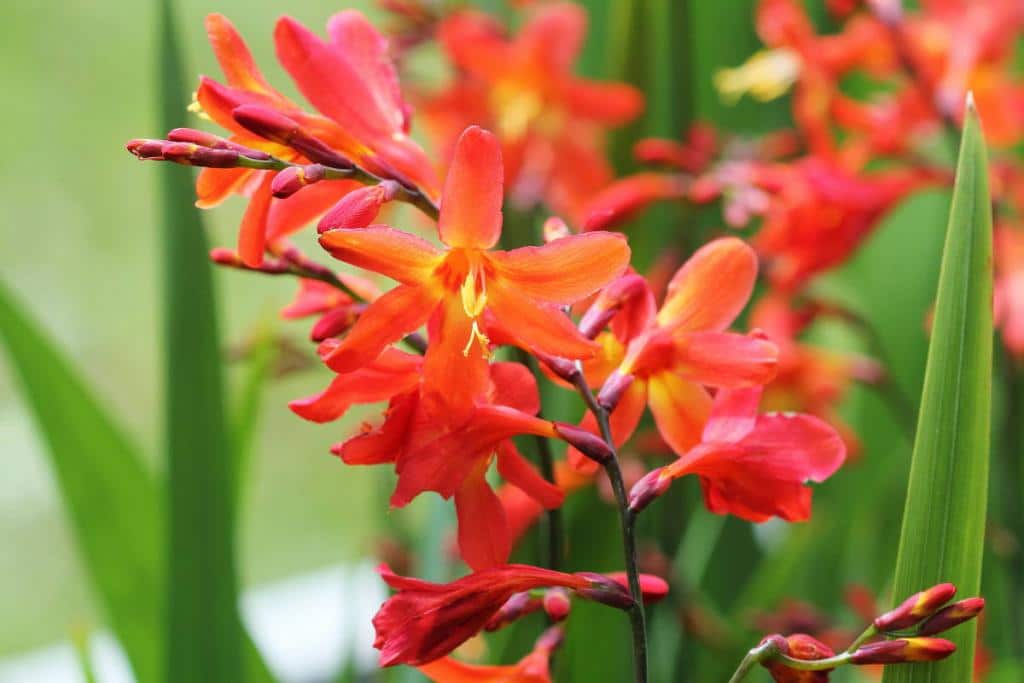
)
(605, 590)
(276, 127)
(516, 607)
(223, 256)
(652, 485)
(952, 615)
(622, 292)
(613, 389)
(652, 588)
(562, 367)
(797, 646)
(189, 154)
(557, 604)
(204, 139)
(334, 322)
(294, 178)
(587, 443)
(903, 650)
(360, 207)
(555, 229)
(916, 608)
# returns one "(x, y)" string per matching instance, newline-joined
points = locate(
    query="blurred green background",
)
(80, 236)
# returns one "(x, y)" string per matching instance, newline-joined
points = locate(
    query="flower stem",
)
(628, 523)
(754, 657)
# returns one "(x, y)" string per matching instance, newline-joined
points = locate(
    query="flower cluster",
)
(455, 343)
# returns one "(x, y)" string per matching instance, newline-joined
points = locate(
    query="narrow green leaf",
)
(944, 520)
(204, 628)
(112, 500)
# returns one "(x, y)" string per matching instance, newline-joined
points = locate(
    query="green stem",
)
(628, 523)
(868, 633)
(753, 658)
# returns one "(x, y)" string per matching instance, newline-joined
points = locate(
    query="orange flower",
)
(452, 288)
(551, 122)
(675, 353)
(350, 79)
(533, 668)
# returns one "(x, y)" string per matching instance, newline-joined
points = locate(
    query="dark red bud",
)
(652, 588)
(903, 650)
(204, 139)
(562, 367)
(334, 322)
(276, 127)
(294, 178)
(952, 615)
(587, 443)
(652, 485)
(516, 607)
(605, 590)
(359, 208)
(613, 389)
(225, 257)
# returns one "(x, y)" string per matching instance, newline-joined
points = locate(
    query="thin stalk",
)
(628, 523)
(754, 657)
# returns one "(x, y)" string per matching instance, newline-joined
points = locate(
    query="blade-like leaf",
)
(944, 519)
(112, 500)
(204, 628)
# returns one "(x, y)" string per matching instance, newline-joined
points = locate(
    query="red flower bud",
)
(613, 389)
(360, 207)
(647, 489)
(952, 615)
(294, 178)
(916, 608)
(622, 293)
(587, 443)
(605, 590)
(557, 604)
(562, 367)
(798, 646)
(225, 257)
(204, 139)
(903, 650)
(276, 127)
(653, 588)
(516, 607)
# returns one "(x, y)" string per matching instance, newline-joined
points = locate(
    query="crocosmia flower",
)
(453, 287)
(533, 668)
(551, 123)
(750, 465)
(799, 646)
(364, 121)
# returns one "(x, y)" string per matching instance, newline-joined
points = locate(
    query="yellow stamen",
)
(477, 335)
(197, 108)
(767, 75)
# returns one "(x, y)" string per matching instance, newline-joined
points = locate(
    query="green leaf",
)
(944, 520)
(112, 500)
(204, 628)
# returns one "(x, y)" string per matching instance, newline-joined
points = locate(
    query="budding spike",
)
(916, 608)
(952, 615)
(903, 650)
(587, 443)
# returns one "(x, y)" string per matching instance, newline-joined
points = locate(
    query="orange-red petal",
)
(515, 470)
(234, 57)
(724, 359)
(611, 104)
(680, 409)
(305, 206)
(473, 192)
(483, 533)
(565, 270)
(214, 185)
(252, 235)
(623, 421)
(711, 288)
(395, 314)
(399, 255)
(541, 326)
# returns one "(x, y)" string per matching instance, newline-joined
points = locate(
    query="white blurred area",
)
(306, 626)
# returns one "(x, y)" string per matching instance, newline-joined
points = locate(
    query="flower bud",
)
(797, 646)
(916, 608)
(587, 443)
(294, 178)
(652, 588)
(652, 485)
(903, 650)
(276, 127)
(623, 292)
(562, 367)
(360, 207)
(334, 322)
(516, 607)
(204, 139)
(952, 615)
(225, 257)
(605, 590)
(189, 154)
(613, 389)
(557, 604)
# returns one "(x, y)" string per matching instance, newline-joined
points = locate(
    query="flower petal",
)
(383, 444)
(611, 104)
(234, 57)
(252, 235)
(515, 470)
(711, 288)
(541, 326)
(214, 185)
(796, 446)
(554, 36)
(623, 421)
(733, 414)
(680, 409)
(483, 532)
(455, 373)
(394, 315)
(399, 255)
(565, 270)
(473, 192)
(723, 359)
(394, 372)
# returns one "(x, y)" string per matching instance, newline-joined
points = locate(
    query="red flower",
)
(454, 287)
(425, 621)
(674, 353)
(753, 466)
(533, 668)
(350, 79)
(799, 646)
(550, 122)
